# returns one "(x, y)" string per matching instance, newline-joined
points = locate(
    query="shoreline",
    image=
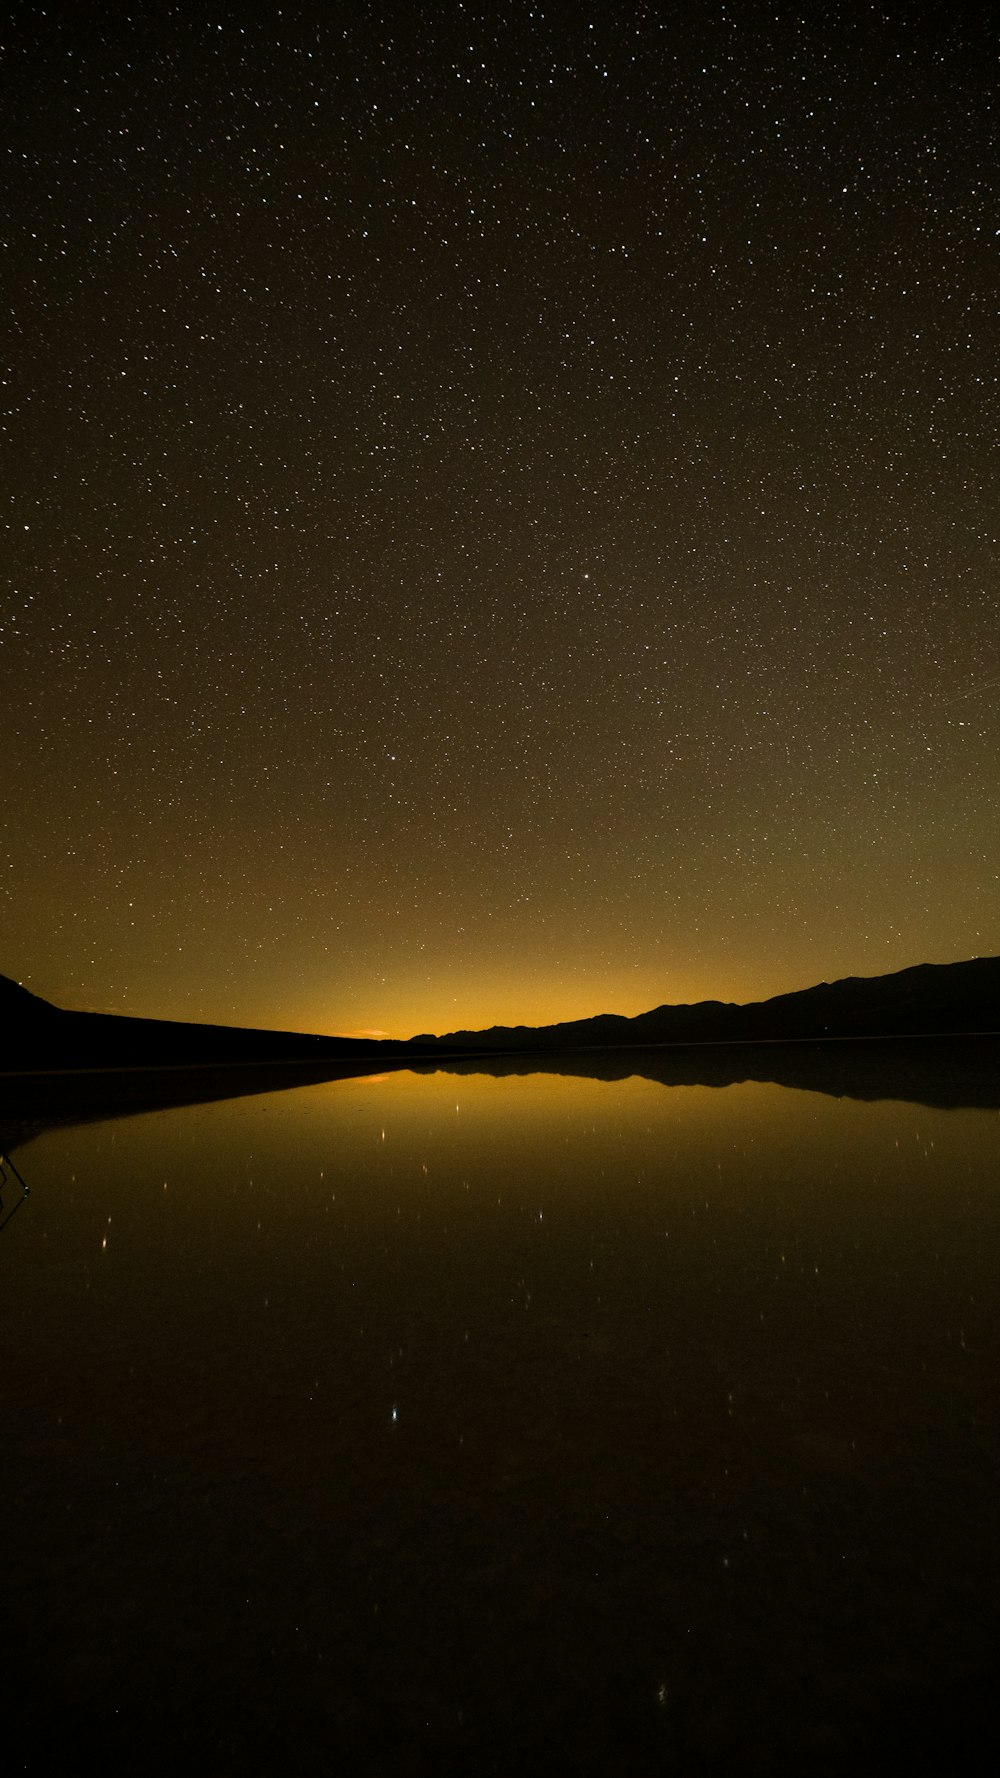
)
(953, 1070)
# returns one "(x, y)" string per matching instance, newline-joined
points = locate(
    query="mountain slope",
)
(929, 997)
(35, 1034)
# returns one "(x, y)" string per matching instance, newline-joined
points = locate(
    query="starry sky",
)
(499, 503)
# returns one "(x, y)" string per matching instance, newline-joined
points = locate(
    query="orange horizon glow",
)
(431, 614)
(500, 999)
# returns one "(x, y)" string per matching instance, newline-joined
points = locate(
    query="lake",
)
(457, 1421)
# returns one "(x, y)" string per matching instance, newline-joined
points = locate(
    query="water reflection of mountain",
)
(33, 1102)
(952, 1072)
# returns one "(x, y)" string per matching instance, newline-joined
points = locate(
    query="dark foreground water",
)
(450, 1423)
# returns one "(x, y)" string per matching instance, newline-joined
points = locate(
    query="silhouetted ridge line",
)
(929, 998)
(35, 1034)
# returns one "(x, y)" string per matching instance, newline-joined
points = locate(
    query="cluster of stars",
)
(495, 505)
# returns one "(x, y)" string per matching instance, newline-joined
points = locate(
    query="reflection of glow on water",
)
(647, 1461)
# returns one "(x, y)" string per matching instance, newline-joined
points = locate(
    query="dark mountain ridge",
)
(35, 1034)
(929, 998)
(924, 999)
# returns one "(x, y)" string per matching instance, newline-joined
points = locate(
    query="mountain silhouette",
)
(927, 1034)
(929, 999)
(35, 1034)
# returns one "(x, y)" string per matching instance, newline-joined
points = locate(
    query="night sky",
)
(500, 506)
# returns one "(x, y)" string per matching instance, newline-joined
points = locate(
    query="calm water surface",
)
(441, 1422)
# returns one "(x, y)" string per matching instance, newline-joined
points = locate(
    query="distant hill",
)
(931, 998)
(36, 1034)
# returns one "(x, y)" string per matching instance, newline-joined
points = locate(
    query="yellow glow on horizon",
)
(402, 1005)
(510, 1000)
